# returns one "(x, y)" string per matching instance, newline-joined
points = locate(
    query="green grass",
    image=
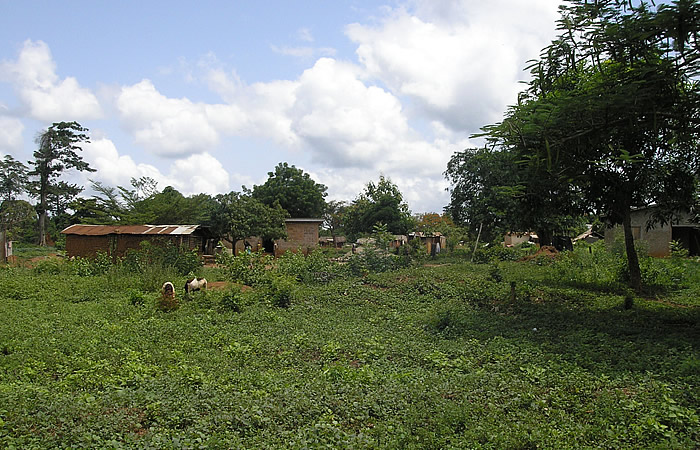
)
(433, 357)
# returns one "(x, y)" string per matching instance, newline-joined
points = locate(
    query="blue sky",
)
(210, 96)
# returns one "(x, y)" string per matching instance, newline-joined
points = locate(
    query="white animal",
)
(195, 284)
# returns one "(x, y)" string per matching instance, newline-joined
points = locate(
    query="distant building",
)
(335, 241)
(589, 236)
(301, 234)
(87, 240)
(658, 239)
(514, 238)
(434, 242)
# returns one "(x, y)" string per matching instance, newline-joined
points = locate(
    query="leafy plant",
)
(279, 291)
(231, 300)
(246, 268)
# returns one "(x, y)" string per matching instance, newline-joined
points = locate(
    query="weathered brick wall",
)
(302, 235)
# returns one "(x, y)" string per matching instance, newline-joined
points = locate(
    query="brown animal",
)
(168, 290)
(167, 300)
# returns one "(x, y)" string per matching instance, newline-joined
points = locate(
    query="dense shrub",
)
(99, 265)
(246, 268)
(136, 297)
(371, 260)
(180, 259)
(278, 290)
(312, 268)
(49, 266)
(657, 273)
(231, 300)
(484, 255)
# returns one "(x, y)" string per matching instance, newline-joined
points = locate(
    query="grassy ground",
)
(437, 357)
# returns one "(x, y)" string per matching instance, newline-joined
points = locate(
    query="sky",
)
(209, 96)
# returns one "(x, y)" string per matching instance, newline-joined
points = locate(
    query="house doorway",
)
(269, 246)
(689, 237)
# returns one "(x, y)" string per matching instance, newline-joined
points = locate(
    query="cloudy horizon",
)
(211, 99)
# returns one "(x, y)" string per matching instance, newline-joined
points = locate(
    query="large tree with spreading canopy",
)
(612, 111)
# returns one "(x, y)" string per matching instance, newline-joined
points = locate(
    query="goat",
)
(195, 284)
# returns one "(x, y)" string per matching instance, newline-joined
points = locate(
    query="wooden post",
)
(477, 241)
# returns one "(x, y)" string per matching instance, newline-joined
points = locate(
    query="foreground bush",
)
(419, 357)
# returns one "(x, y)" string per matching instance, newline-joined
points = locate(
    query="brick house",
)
(301, 234)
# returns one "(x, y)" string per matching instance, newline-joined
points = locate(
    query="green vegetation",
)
(607, 124)
(292, 190)
(436, 355)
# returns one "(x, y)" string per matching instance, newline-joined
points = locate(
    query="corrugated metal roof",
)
(101, 230)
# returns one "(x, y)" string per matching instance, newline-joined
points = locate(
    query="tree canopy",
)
(294, 190)
(13, 178)
(380, 203)
(236, 216)
(611, 114)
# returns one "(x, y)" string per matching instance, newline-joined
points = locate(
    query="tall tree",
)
(380, 203)
(504, 189)
(13, 178)
(333, 216)
(90, 211)
(59, 198)
(57, 152)
(614, 106)
(294, 190)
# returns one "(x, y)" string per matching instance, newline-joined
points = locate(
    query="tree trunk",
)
(41, 210)
(544, 237)
(632, 258)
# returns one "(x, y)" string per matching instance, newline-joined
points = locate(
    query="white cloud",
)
(42, 92)
(460, 61)
(423, 194)
(304, 34)
(114, 169)
(303, 52)
(173, 127)
(193, 175)
(199, 174)
(343, 121)
(10, 134)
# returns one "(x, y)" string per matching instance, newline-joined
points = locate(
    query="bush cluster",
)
(371, 260)
(246, 268)
(312, 268)
(180, 259)
(484, 255)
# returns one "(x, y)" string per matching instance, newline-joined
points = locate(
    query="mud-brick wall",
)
(86, 246)
(302, 235)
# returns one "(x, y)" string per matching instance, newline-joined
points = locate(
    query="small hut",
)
(433, 242)
(87, 240)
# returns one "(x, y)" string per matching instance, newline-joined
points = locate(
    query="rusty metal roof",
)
(101, 230)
